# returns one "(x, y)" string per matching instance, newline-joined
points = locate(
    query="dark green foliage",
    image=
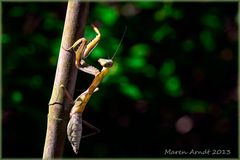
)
(176, 60)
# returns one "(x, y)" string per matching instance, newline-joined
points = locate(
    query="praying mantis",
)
(82, 50)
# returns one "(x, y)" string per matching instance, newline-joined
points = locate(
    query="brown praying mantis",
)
(82, 50)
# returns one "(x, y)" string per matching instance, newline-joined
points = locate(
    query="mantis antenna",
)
(120, 42)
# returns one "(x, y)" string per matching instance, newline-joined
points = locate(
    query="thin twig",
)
(66, 74)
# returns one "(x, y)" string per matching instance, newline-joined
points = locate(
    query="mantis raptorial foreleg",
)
(82, 50)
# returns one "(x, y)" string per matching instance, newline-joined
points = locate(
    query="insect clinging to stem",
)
(74, 128)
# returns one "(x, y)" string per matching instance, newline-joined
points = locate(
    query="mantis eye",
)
(105, 62)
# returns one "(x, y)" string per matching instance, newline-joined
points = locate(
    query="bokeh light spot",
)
(167, 68)
(5, 38)
(145, 5)
(227, 54)
(139, 50)
(36, 81)
(129, 10)
(184, 124)
(150, 71)
(56, 46)
(172, 86)
(162, 32)
(188, 45)
(17, 96)
(16, 11)
(195, 106)
(168, 12)
(107, 14)
(207, 40)
(177, 14)
(40, 40)
(211, 21)
(130, 91)
(136, 63)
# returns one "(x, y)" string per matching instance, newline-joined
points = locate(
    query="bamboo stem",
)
(66, 74)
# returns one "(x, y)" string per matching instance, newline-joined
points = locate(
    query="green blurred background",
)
(173, 84)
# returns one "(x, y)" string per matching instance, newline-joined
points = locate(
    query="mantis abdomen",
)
(74, 130)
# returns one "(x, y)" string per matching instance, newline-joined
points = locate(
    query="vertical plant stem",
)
(66, 74)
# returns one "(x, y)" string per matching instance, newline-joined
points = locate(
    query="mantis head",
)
(106, 62)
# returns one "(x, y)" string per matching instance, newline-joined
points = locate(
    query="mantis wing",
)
(74, 131)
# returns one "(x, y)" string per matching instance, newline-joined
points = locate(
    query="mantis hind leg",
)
(69, 97)
(96, 130)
